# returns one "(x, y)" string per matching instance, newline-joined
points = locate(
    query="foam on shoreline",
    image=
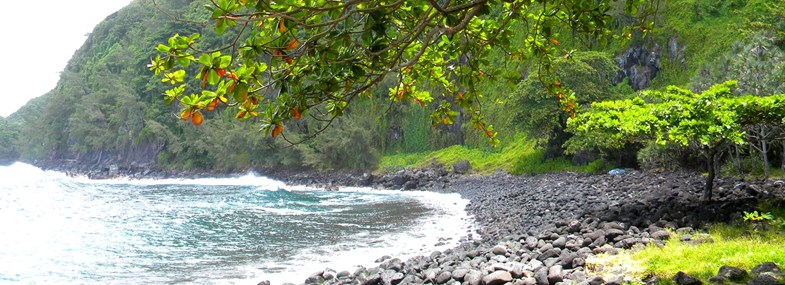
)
(445, 227)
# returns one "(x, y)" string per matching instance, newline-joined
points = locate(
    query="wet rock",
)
(315, 278)
(343, 274)
(390, 277)
(443, 277)
(394, 264)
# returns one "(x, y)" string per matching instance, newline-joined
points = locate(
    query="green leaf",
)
(163, 48)
(213, 77)
(205, 60)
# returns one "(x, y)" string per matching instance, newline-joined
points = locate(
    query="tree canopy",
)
(710, 120)
(312, 58)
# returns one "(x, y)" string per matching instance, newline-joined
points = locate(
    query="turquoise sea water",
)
(62, 230)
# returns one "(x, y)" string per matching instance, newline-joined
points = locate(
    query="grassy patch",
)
(517, 157)
(730, 247)
(483, 160)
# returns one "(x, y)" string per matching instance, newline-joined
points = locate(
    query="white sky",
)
(38, 42)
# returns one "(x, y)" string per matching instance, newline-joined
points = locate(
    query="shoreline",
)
(539, 230)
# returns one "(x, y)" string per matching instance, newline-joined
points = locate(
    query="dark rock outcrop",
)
(640, 65)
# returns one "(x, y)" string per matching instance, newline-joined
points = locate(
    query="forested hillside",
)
(108, 108)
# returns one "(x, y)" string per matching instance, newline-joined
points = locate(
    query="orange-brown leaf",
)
(281, 26)
(554, 41)
(254, 101)
(277, 52)
(241, 114)
(185, 114)
(233, 76)
(489, 133)
(292, 44)
(277, 130)
(556, 83)
(197, 118)
(212, 105)
(289, 60)
(296, 113)
(220, 72)
(204, 80)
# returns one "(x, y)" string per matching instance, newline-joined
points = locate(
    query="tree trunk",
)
(712, 173)
(765, 154)
(738, 160)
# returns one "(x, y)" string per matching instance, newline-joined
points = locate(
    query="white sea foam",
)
(446, 225)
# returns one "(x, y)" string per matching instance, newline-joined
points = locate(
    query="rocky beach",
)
(542, 229)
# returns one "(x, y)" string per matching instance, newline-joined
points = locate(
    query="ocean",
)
(56, 229)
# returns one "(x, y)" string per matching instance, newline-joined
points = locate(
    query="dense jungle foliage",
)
(108, 108)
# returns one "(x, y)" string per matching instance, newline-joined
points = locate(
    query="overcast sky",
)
(38, 39)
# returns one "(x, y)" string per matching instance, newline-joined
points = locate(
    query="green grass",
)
(517, 157)
(703, 260)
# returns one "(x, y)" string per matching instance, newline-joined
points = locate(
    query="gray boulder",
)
(497, 278)
(462, 167)
(555, 274)
(459, 273)
(732, 273)
(766, 267)
(474, 277)
(443, 277)
(390, 277)
(682, 278)
(499, 250)
(764, 279)
(541, 275)
(661, 235)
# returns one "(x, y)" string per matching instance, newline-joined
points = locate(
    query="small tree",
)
(709, 121)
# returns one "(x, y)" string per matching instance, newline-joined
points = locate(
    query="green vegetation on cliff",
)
(108, 108)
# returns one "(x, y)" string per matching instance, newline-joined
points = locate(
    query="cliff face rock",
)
(676, 51)
(640, 65)
(129, 155)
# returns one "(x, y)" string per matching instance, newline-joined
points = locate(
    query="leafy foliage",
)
(709, 121)
(314, 57)
(589, 73)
